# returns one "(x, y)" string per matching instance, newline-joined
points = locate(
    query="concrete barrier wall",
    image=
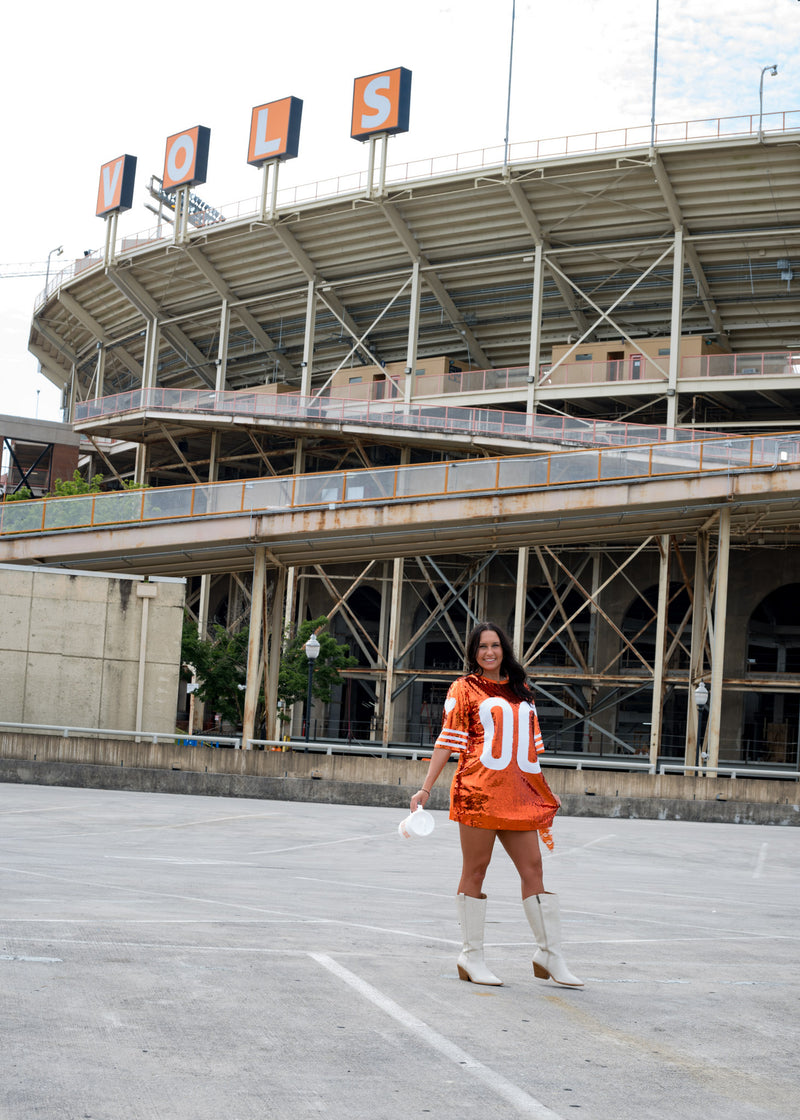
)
(81, 648)
(357, 779)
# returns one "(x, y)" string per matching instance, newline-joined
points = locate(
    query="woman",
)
(498, 792)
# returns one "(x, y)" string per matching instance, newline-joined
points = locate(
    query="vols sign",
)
(115, 192)
(186, 159)
(275, 131)
(381, 103)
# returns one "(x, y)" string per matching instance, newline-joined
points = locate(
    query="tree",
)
(219, 663)
(21, 495)
(293, 674)
(220, 666)
(67, 488)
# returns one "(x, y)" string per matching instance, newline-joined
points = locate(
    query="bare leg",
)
(523, 848)
(476, 852)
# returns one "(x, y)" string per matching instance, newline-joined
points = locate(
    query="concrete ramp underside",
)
(764, 505)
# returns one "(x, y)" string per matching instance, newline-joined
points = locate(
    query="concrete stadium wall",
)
(359, 780)
(71, 648)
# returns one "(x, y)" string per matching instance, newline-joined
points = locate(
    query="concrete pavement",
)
(190, 958)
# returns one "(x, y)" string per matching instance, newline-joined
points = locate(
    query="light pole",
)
(773, 70)
(508, 101)
(58, 253)
(312, 653)
(655, 76)
(700, 699)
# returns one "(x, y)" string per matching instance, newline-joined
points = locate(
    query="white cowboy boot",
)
(542, 913)
(471, 918)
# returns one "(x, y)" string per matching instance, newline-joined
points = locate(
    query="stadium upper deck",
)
(598, 251)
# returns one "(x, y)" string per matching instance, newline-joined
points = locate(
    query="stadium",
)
(559, 389)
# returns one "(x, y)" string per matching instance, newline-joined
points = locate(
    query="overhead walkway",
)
(126, 415)
(608, 494)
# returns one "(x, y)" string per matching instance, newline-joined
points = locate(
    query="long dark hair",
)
(509, 667)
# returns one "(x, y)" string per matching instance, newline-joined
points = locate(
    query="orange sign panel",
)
(115, 192)
(381, 103)
(186, 159)
(275, 131)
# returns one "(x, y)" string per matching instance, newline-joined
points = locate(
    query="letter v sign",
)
(115, 190)
(111, 174)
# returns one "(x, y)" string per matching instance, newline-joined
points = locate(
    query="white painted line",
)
(182, 861)
(762, 859)
(578, 848)
(166, 946)
(379, 887)
(215, 820)
(49, 809)
(301, 919)
(33, 960)
(316, 844)
(524, 1104)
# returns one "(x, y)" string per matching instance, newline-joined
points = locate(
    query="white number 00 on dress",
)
(511, 719)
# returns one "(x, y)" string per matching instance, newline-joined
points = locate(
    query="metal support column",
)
(295, 589)
(269, 190)
(222, 349)
(308, 340)
(383, 631)
(536, 330)
(656, 712)
(254, 646)
(718, 651)
(180, 230)
(590, 691)
(109, 253)
(140, 468)
(413, 334)
(274, 649)
(150, 363)
(100, 372)
(697, 650)
(394, 624)
(675, 333)
(520, 600)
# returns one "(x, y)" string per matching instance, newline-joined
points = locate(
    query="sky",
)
(84, 82)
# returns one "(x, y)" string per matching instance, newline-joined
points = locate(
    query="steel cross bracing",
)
(673, 242)
(587, 686)
(557, 210)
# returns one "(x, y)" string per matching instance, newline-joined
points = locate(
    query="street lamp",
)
(700, 699)
(773, 70)
(58, 253)
(312, 653)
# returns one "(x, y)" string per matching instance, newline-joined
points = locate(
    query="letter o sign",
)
(186, 158)
(180, 158)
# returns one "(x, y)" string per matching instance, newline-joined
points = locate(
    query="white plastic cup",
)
(419, 823)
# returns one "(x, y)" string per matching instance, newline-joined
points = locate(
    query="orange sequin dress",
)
(498, 782)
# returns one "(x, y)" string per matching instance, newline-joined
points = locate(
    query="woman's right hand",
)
(419, 798)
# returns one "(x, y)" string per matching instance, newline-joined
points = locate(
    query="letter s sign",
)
(381, 104)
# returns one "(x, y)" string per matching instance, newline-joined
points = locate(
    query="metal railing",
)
(67, 731)
(554, 147)
(452, 419)
(781, 363)
(731, 772)
(373, 403)
(635, 367)
(386, 485)
(412, 753)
